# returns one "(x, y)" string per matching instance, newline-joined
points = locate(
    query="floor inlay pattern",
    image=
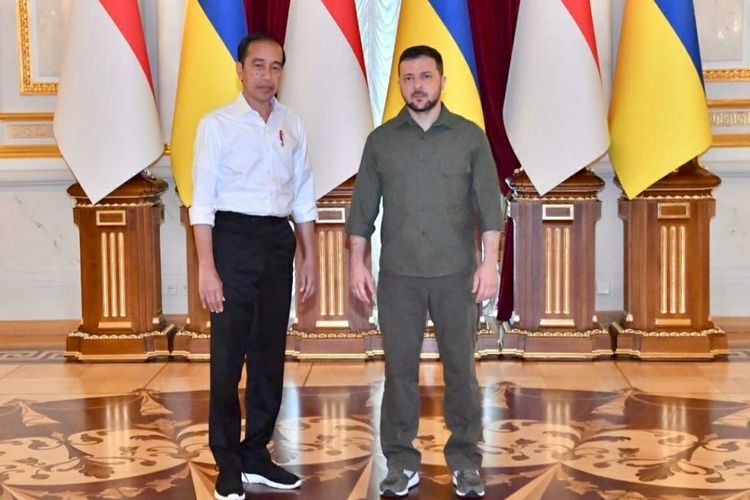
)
(539, 444)
(31, 356)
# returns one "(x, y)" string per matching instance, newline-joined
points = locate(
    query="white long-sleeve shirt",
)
(246, 165)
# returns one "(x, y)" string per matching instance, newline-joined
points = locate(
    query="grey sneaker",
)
(398, 482)
(468, 483)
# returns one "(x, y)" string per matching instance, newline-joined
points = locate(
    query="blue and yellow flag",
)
(658, 117)
(207, 79)
(444, 25)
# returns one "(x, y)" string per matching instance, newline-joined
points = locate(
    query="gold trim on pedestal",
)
(323, 323)
(331, 255)
(115, 324)
(323, 272)
(340, 272)
(664, 271)
(121, 269)
(332, 215)
(557, 323)
(105, 276)
(111, 218)
(566, 270)
(672, 321)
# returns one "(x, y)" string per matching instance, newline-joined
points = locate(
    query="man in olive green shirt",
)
(434, 172)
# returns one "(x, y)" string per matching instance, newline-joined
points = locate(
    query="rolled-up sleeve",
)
(490, 203)
(304, 208)
(206, 159)
(366, 197)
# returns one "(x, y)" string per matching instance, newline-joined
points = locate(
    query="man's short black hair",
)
(422, 51)
(257, 36)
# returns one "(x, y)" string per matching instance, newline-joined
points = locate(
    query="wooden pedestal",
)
(554, 315)
(120, 274)
(193, 341)
(333, 324)
(667, 270)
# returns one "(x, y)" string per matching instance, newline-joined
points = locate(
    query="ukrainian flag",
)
(444, 25)
(207, 79)
(658, 115)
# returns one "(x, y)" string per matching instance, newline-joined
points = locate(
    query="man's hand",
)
(362, 285)
(307, 278)
(210, 289)
(485, 282)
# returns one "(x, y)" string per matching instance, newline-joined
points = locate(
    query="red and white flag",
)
(325, 83)
(555, 113)
(106, 123)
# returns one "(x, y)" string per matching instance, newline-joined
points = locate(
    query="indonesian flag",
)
(106, 123)
(555, 113)
(325, 83)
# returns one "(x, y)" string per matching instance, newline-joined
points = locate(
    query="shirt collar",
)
(241, 108)
(444, 119)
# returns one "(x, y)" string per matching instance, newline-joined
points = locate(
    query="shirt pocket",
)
(394, 180)
(455, 177)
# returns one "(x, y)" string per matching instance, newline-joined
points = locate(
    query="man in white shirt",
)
(250, 173)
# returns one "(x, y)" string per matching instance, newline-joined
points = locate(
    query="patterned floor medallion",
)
(539, 444)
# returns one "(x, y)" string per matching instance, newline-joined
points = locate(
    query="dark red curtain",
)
(493, 25)
(268, 16)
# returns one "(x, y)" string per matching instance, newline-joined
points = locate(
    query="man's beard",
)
(428, 105)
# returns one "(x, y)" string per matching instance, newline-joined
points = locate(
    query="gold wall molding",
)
(726, 75)
(29, 151)
(26, 117)
(28, 86)
(728, 103)
(731, 141)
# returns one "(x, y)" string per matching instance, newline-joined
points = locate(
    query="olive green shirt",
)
(437, 187)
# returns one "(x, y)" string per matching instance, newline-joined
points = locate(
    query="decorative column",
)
(120, 274)
(193, 341)
(333, 324)
(554, 295)
(667, 240)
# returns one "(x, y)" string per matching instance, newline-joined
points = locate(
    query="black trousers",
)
(254, 258)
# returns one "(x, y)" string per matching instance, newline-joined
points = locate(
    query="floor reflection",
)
(539, 443)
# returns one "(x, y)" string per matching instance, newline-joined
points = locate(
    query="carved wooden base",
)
(81, 346)
(555, 344)
(192, 346)
(343, 344)
(669, 345)
(333, 344)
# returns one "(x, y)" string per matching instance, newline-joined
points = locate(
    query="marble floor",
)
(553, 430)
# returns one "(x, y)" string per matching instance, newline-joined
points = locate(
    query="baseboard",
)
(733, 324)
(51, 332)
(33, 333)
